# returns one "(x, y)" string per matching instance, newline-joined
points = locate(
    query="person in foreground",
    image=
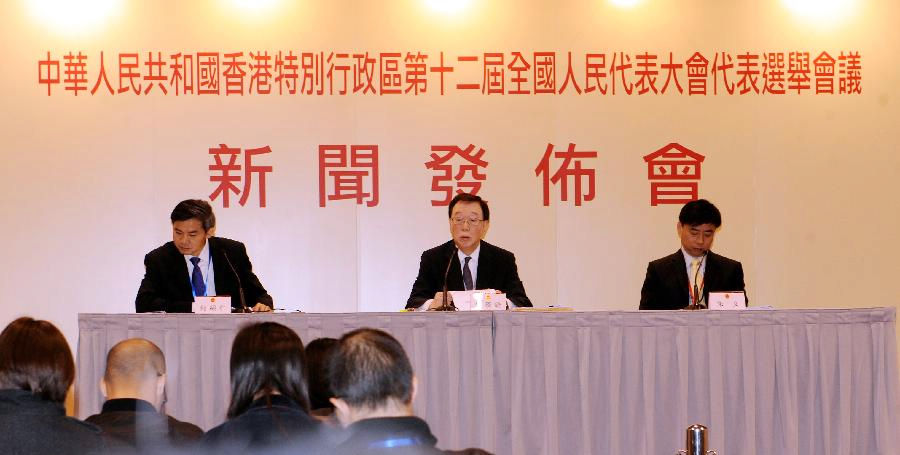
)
(477, 264)
(318, 357)
(691, 273)
(36, 371)
(195, 263)
(373, 384)
(269, 407)
(134, 386)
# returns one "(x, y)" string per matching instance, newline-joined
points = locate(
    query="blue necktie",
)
(197, 278)
(467, 275)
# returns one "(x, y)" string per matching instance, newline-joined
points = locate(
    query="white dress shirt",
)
(206, 268)
(700, 274)
(473, 263)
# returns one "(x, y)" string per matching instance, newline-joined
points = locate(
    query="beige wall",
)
(807, 184)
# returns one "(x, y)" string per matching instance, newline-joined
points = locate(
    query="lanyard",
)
(397, 442)
(205, 275)
(695, 299)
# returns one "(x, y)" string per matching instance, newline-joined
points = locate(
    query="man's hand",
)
(439, 300)
(260, 308)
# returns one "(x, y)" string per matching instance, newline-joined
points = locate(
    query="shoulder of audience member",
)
(470, 451)
(184, 430)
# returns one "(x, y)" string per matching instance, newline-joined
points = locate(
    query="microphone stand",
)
(445, 304)
(243, 308)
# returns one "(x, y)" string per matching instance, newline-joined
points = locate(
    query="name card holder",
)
(727, 301)
(212, 305)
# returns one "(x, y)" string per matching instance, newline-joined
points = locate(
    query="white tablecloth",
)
(764, 382)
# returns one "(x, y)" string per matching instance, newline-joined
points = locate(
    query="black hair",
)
(466, 197)
(35, 356)
(195, 208)
(318, 356)
(699, 212)
(267, 357)
(370, 367)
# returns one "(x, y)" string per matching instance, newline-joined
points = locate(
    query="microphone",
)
(445, 305)
(244, 308)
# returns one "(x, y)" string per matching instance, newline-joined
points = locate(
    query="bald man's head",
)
(135, 368)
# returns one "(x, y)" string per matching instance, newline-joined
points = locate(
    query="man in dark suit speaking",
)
(691, 273)
(473, 263)
(195, 263)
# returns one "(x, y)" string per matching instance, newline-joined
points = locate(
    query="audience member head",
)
(135, 368)
(193, 222)
(697, 225)
(318, 355)
(267, 358)
(371, 377)
(35, 356)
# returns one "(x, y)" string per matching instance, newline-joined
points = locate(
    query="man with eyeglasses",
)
(473, 263)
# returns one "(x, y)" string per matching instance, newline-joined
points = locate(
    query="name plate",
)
(479, 300)
(727, 301)
(212, 305)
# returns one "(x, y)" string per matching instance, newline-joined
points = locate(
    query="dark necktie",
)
(467, 275)
(197, 278)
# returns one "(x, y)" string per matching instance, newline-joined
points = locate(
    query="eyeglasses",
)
(474, 222)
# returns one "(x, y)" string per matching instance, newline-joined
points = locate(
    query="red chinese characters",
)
(849, 69)
(348, 174)
(407, 72)
(824, 68)
(48, 72)
(674, 174)
(226, 181)
(76, 74)
(697, 74)
(444, 175)
(584, 179)
(208, 73)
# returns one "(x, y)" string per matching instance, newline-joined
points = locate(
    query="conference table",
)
(551, 382)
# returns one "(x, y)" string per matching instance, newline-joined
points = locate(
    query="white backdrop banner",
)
(330, 136)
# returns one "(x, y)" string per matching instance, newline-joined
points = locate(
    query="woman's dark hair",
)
(267, 357)
(35, 356)
(318, 355)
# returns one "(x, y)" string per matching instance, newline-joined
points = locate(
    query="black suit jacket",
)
(129, 423)
(31, 425)
(271, 424)
(496, 270)
(167, 287)
(373, 436)
(666, 284)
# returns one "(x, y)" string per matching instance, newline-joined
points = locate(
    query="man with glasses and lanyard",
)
(686, 277)
(195, 263)
(467, 262)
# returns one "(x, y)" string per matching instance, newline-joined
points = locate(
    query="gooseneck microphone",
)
(244, 308)
(445, 305)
